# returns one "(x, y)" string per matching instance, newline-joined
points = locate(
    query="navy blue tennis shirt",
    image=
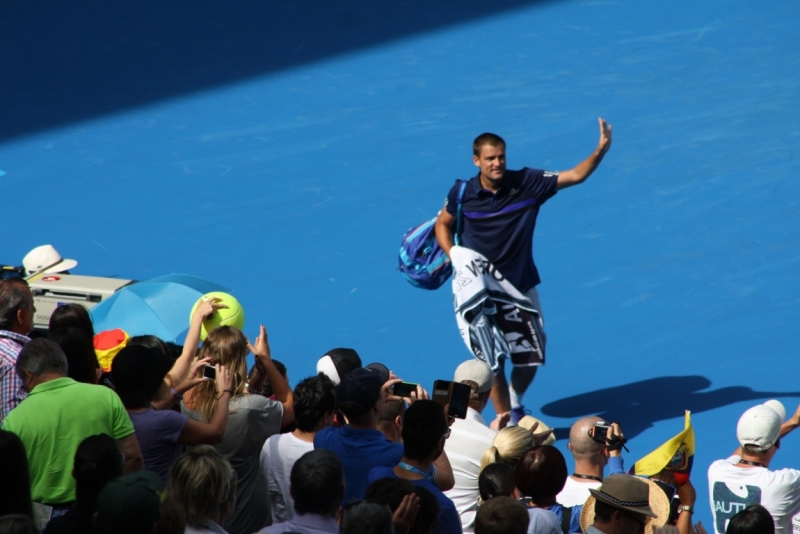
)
(500, 225)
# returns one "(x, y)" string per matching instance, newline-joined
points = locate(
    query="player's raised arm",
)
(444, 231)
(580, 173)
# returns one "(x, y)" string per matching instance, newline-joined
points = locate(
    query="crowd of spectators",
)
(154, 446)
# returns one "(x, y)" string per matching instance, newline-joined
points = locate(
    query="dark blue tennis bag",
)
(422, 260)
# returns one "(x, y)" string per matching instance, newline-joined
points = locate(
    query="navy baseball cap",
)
(359, 390)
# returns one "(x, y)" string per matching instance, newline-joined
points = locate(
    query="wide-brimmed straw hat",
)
(631, 494)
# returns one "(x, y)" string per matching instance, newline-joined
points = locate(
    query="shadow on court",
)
(65, 62)
(638, 405)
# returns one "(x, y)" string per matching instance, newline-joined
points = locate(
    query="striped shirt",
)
(11, 388)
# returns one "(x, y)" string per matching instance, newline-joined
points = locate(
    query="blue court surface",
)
(282, 151)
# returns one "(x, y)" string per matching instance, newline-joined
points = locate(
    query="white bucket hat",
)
(46, 259)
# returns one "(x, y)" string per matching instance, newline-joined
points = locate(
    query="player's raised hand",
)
(605, 136)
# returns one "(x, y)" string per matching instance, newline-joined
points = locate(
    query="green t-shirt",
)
(52, 421)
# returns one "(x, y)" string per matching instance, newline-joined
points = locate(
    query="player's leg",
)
(499, 393)
(521, 378)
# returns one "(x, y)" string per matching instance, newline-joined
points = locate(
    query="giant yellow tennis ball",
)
(233, 315)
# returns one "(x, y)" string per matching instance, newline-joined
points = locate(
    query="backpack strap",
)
(566, 517)
(460, 201)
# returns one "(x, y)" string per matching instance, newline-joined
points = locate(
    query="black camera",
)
(599, 432)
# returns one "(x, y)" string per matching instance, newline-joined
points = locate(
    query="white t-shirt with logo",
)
(731, 489)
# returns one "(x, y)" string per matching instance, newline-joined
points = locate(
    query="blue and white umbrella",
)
(158, 307)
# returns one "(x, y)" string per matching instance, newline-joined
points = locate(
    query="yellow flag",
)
(676, 455)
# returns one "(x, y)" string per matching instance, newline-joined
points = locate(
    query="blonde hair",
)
(508, 446)
(203, 484)
(225, 346)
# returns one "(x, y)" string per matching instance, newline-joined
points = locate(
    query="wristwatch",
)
(685, 508)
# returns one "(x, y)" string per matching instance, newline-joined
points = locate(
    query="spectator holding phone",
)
(592, 450)
(425, 431)
(360, 446)
(138, 373)
(472, 436)
(251, 419)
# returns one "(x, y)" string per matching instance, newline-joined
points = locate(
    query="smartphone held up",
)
(454, 394)
(210, 372)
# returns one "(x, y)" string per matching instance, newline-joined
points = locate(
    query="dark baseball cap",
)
(359, 390)
(383, 371)
(130, 504)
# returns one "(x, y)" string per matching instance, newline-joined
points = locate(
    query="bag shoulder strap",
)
(566, 518)
(460, 201)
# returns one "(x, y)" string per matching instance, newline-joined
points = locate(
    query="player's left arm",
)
(584, 169)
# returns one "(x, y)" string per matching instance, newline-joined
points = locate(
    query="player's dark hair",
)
(486, 139)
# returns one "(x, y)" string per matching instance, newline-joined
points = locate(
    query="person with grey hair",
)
(16, 322)
(364, 517)
(56, 416)
(317, 488)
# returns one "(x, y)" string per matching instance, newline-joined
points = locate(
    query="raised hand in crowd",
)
(205, 309)
(265, 369)
(501, 421)
(615, 440)
(406, 514)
